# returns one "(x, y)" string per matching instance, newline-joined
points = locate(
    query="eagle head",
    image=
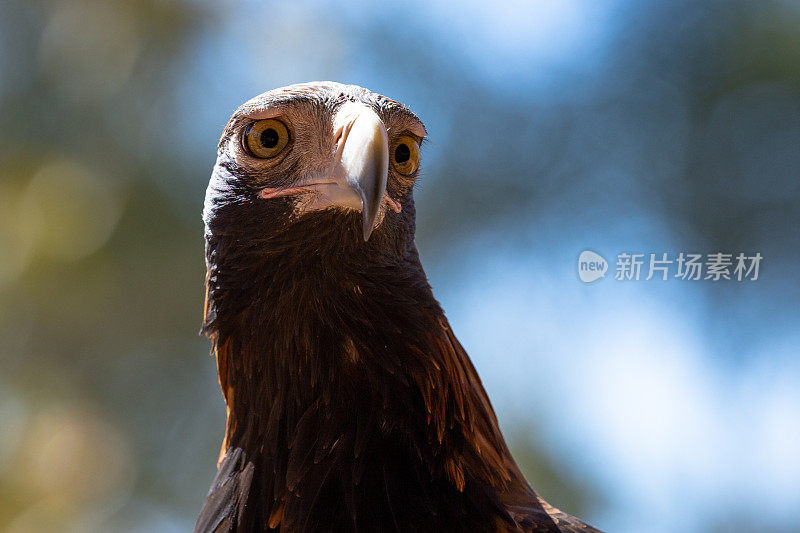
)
(296, 157)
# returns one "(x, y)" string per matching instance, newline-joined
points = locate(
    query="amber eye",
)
(405, 156)
(266, 138)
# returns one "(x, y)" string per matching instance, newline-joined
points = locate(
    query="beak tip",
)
(367, 224)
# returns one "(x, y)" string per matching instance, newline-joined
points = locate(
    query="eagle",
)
(351, 404)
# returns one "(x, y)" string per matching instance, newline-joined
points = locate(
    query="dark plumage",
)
(351, 404)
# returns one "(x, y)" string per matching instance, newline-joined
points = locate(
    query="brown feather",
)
(351, 404)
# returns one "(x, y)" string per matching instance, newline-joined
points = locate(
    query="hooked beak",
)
(356, 177)
(362, 158)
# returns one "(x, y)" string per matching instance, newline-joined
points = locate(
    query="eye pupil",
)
(402, 153)
(269, 138)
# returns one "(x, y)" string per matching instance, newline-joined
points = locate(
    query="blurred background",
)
(555, 126)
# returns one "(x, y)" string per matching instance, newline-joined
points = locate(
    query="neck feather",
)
(341, 377)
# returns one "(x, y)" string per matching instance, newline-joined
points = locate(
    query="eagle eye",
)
(405, 157)
(266, 138)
